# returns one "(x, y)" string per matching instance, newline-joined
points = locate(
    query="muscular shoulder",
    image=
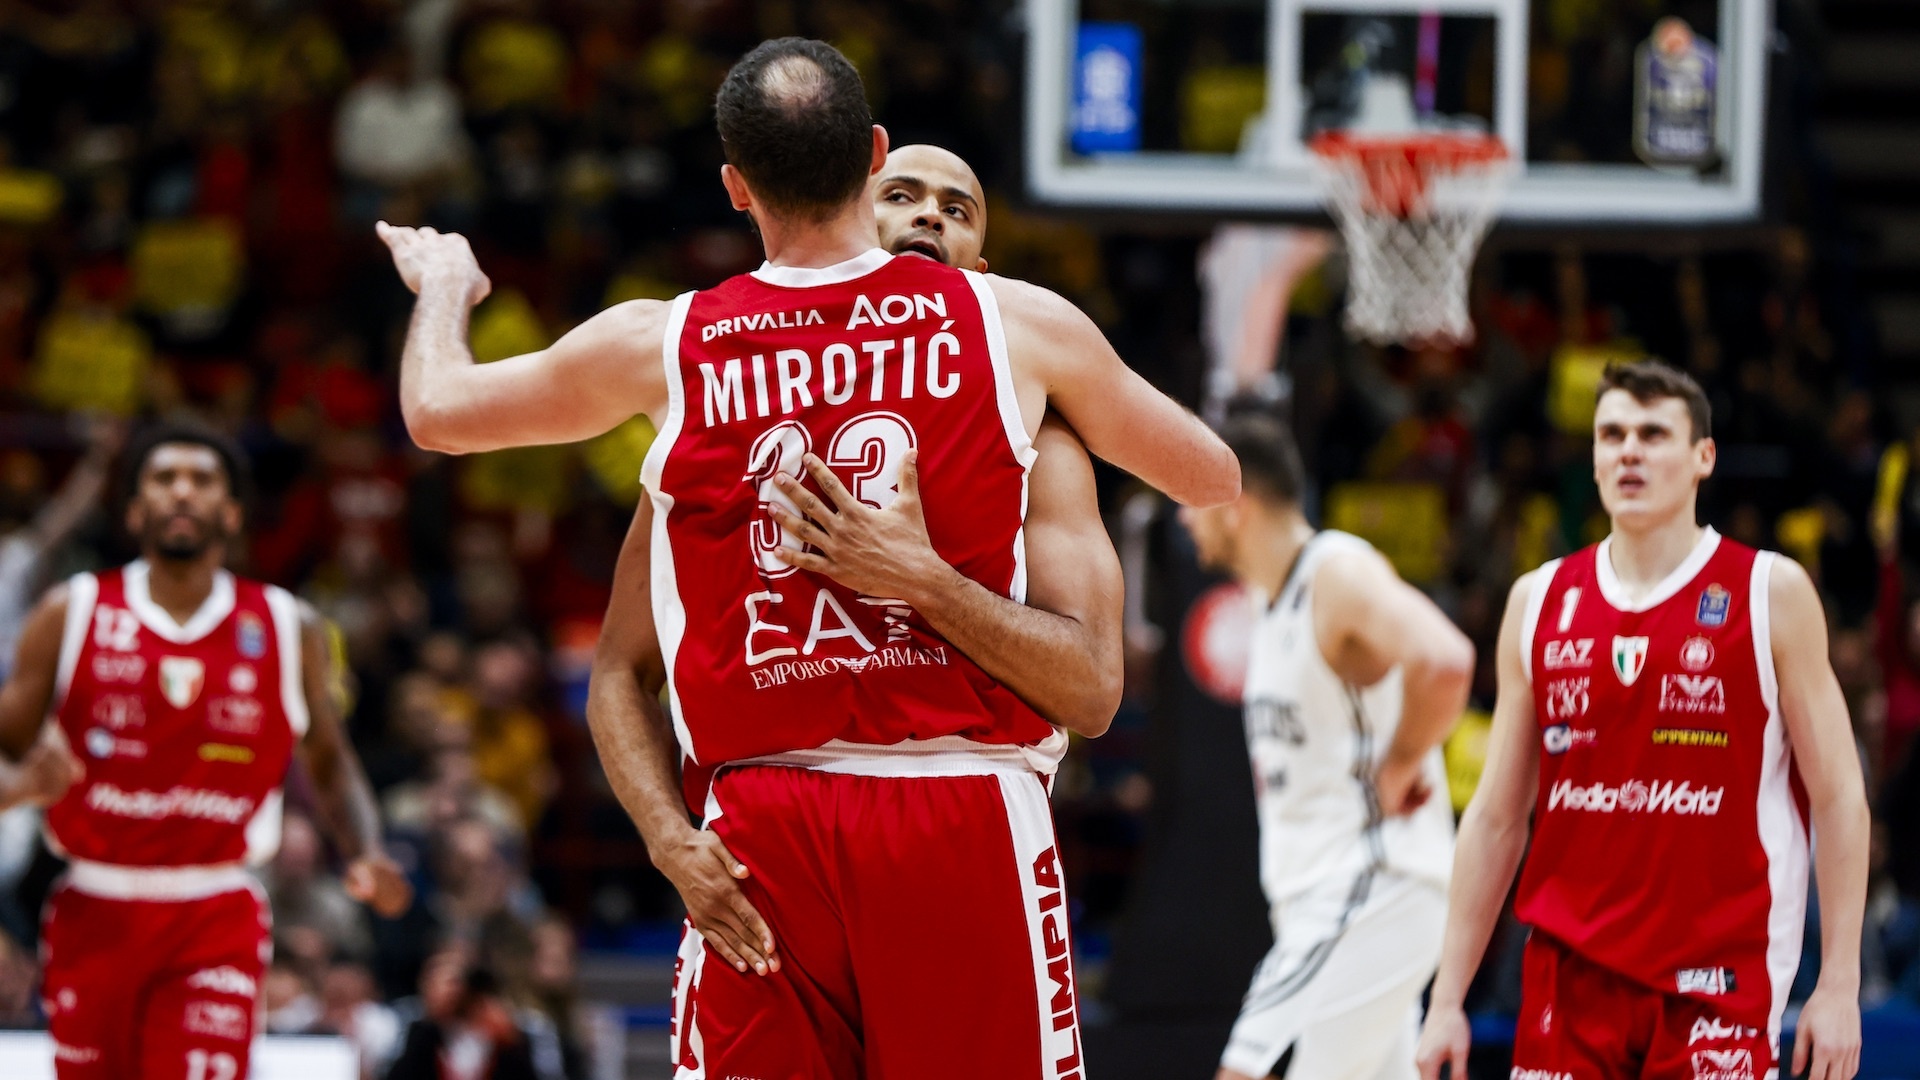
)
(635, 324)
(1350, 574)
(1791, 595)
(1031, 312)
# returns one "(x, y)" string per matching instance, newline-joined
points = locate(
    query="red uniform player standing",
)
(1668, 716)
(180, 694)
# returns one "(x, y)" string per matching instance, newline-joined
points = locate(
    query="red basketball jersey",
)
(857, 363)
(185, 730)
(1669, 838)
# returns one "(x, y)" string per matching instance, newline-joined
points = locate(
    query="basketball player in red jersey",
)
(874, 776)
(179, 694)
(1668, 715)
(1060, 651)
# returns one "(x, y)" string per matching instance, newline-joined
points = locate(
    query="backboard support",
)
(1270, 173)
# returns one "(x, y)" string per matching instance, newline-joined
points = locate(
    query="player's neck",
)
(813, 245)
(1269, 556)
(180, 586)
(1643, 557)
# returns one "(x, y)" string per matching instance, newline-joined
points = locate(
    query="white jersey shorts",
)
(1342, 983)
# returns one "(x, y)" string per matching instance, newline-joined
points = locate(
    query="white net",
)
(1412, 211)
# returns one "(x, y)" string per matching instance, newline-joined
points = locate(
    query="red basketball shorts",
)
(1580, 1021)
(161, 990)
(921, 923)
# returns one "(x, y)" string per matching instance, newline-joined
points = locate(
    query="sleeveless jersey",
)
(1314, 741)
(1669, 837)
(856, 363)
(185, 731)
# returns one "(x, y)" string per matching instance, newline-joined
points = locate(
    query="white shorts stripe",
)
(683, 1039)
(1044, 884)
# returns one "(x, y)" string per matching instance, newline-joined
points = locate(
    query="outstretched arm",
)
(347, 808)
(1060, 651)
(1370, 622)
(1493, 835)
(599, 374)
(635, 740)
(1117, 414)
(1815, 713)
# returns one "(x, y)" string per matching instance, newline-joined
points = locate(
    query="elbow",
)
(1222, 484)
(430, 427)
(1448, 667)
(1093, 713)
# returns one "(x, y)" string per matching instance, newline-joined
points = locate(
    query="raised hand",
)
(427, 257)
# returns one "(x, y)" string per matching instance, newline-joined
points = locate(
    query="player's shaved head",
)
(928, 201)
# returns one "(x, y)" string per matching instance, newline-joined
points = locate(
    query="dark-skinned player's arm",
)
(1061, 650)
(1814, 711)
(1118, 415)
(348, 812)
(1369, 622)
(636, 744)
(45, 767)
(596, 376)
(1493, 836)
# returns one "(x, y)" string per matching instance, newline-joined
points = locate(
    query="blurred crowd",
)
(187, 193)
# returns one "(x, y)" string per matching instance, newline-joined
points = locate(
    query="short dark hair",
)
(794, 120)
(168, 433)
(1270, 466)
(1650, 380)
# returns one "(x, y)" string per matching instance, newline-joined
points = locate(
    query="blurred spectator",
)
(451, 789)
(465, 1030)
(289, 1000)
(350, 1008)
(307, 899)
(399, 128)
(509, 739)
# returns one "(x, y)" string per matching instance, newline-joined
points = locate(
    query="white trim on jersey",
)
(1006, 397)
(1530, 618)
(948, 755)
(1783, 834)
(286, 630)
(809, 277)
(1616, 594)
(212, 612)
(156, 883)
(264, 828)
(1031, 823)
(83, 592)
(669, 616)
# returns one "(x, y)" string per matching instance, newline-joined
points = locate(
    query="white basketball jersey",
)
(1314, 741)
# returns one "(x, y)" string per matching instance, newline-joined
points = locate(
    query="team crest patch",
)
(1714, 603)
(251, 635)
(180, 679)
(1629, 656)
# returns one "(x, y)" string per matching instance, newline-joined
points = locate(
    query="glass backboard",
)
(1647, 112)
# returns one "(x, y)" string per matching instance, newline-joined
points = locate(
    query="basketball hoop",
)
(1412, 209)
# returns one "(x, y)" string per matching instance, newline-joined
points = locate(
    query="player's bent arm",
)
(28, 694)
(1815, 713)
(1117, 414)
(635, 741)
(1493, 832)
(1061, 650)
(596, 376)
(1369, 621)
(345, 800)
